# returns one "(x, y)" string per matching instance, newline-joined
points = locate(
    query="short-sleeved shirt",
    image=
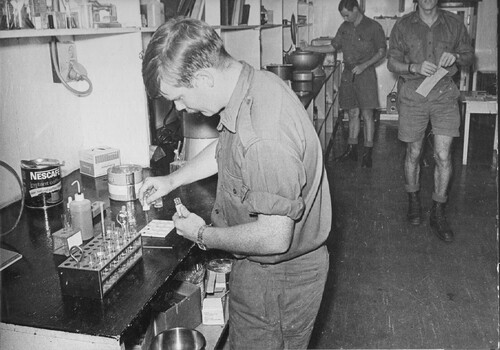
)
(359, 43)
(413, 41)
(270, 161)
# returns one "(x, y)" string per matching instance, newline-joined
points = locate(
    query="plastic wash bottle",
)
(81, 214)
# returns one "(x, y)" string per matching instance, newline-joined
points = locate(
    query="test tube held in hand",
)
(178, 203)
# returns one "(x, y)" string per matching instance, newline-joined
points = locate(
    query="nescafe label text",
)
(44, 175)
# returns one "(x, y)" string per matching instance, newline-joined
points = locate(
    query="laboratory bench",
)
(34, 312)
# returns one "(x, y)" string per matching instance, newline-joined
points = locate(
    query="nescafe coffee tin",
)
(42, 183)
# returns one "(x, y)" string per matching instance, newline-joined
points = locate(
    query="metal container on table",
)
(124, 182)
(179, 339)
(42, 183)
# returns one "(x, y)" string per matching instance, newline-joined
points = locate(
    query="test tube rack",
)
(105, 260)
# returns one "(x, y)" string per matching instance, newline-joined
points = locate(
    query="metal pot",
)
(302, 60)
(180, 339)
(305, 60)
(302, 87)
(284, 71)
(302, 75)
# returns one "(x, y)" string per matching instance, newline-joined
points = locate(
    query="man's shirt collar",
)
(229, 115)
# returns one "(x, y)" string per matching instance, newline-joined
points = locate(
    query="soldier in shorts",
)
(421, 42)
(362, 42)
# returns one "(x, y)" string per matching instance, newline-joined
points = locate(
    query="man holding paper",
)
(425, 48)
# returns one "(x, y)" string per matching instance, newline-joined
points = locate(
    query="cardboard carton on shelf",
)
(215, 309)
(184, 310)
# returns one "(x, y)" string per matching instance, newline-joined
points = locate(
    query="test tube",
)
(131, 213)
(102, 220)
(178, 203)
(110, 247)
(66, 221)
(109, 231)
(102, 254)
(121, 217)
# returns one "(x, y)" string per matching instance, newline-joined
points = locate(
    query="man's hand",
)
(154, 188)
(359, 68)
(425, 68)
(187, 224)
(447, 59)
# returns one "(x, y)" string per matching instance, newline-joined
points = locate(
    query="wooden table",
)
(479, 104)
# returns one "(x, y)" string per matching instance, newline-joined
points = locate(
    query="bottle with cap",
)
(81, 214)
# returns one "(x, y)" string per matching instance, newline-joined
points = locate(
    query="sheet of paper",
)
(158, 228)
(431, 81)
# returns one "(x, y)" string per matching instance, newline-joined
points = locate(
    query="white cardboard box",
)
(213, 311)
(95, 162)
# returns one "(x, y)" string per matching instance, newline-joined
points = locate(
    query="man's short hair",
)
(178, 49)
(349, 5)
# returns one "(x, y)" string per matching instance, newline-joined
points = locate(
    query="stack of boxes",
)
(214, 311)
(188, 305)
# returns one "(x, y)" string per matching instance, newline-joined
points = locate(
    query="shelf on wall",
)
(227, 27)
(149, 29)
(33, 33)
(268, 26)
(247, 26)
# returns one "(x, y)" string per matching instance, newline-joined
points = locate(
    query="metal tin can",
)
(42, 183)
(218, 271)
(220, 265)
(124, 182)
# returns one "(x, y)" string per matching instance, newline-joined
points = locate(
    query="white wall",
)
(41, 119)
(486, 40)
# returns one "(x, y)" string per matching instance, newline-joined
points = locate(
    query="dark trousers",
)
(275, 306)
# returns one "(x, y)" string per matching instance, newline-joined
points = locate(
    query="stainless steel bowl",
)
(305, 60)
(284, 71)
(302, 75)
(178, 339)
(302, 87)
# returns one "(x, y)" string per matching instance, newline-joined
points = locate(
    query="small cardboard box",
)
(184, 313)
(215, 309)
(95, 162)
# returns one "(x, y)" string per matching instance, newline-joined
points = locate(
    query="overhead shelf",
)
(34, 33)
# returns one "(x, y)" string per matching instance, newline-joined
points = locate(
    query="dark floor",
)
(396, 286)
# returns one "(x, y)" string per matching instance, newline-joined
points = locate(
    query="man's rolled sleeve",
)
(396, 45)
(274, 178)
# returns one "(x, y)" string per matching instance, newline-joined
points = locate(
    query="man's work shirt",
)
(413, 41)
(270, 162)
(359, 43)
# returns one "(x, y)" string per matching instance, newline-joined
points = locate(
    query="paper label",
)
(212, 313)
(158, 228)
(431, 81)
(75, 240)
